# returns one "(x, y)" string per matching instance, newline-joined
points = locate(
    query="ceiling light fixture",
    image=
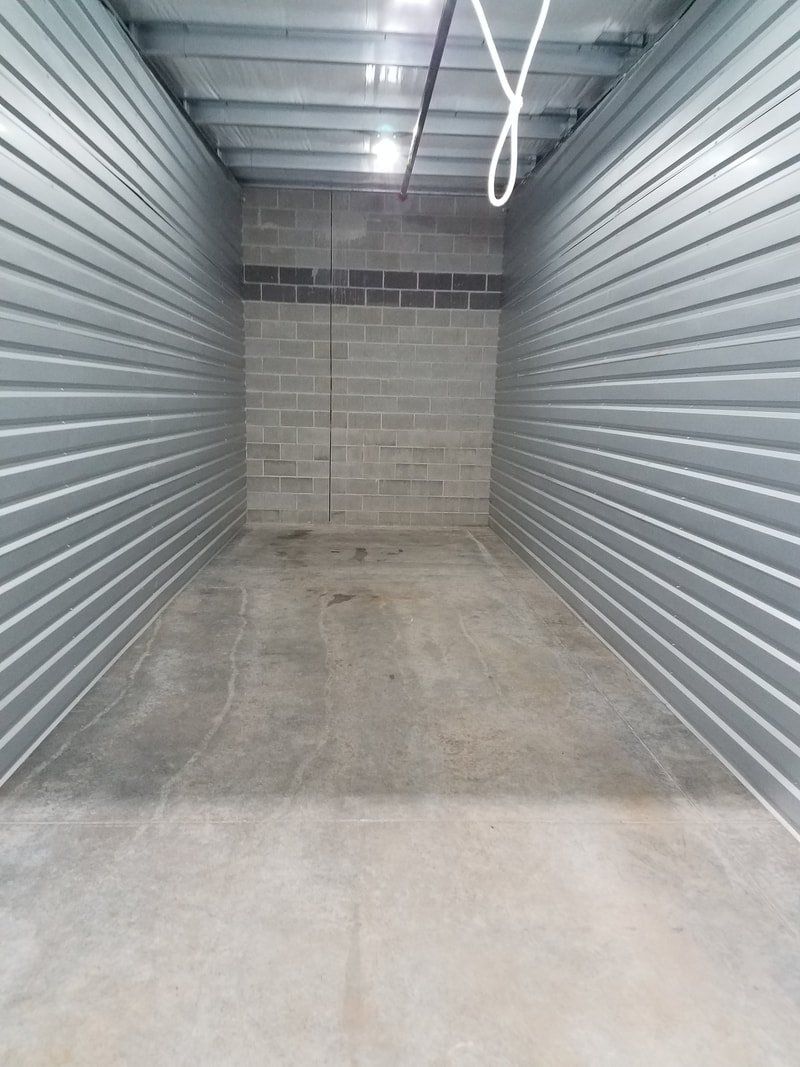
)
(386, 152)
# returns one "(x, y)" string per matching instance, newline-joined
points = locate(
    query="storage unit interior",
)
(399, 598)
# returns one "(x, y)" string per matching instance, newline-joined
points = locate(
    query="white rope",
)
(510, 130)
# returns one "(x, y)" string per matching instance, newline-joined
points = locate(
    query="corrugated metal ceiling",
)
(299, 93)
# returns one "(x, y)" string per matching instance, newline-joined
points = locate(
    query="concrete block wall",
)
(287, 354)
(399, 301)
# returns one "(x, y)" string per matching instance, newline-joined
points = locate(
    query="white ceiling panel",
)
(302, 91)
(568, 20)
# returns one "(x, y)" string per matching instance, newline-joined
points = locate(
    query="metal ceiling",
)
(298, 93)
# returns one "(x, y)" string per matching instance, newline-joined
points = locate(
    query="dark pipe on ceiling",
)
(433, 69)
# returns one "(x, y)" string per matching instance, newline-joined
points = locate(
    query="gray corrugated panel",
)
(122, 420)
(647, 425)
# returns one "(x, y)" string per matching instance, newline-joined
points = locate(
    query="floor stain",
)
(360, 555)
(340, 598)
(293, 535)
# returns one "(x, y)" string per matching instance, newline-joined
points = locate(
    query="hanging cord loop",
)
(510, 129)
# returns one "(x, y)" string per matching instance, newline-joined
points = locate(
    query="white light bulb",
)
(386, 152)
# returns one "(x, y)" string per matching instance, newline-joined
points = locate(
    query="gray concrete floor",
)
(378, 798)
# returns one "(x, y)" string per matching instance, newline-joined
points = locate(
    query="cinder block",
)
(312, 331)
(436, 243)
(395, 487)
(297, 485)
(262, 451)
(297, 418)
(397, 421)
(275, 328)
(262, 418)
(417, 471)
(381, 334)
(363, 421)
(364, 386)
(429, 487)
(380, 403)
(430, 423)
(414, 404)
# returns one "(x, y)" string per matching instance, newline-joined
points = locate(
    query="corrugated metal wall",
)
(648, 405)
(121, 376)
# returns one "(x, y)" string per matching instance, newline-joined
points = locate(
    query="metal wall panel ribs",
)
(647, 426)
(121, 356)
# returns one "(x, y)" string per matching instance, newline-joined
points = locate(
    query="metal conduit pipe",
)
(430, 81)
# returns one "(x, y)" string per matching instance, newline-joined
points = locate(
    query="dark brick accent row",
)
(389, 288)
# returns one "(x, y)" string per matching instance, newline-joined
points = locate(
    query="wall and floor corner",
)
(399, 301)
(646, 427)
(122, 364)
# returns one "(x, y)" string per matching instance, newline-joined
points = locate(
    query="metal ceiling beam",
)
(359, 143)
(173, 40)
(256, 158)
(370, 120)
(322, 179)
